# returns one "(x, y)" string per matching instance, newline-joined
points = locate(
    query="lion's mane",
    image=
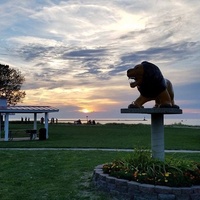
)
(153, 82)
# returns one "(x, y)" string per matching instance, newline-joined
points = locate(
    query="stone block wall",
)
(124, 189)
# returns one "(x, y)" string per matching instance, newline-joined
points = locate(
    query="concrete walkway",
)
(89, 149)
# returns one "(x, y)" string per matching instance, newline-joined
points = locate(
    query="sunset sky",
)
(74, 54)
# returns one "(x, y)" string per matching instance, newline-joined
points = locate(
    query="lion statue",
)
(152, 86)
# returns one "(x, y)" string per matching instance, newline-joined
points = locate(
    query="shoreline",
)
(187, 122)
(147, 121)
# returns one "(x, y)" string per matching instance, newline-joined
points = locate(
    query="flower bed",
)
(151, 177)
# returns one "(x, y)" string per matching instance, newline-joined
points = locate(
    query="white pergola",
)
(8, 110)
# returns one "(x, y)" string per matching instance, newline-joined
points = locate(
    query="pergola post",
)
(46, 124)
(157, 127)
(6, 126)
(35, 121)
(0, 126)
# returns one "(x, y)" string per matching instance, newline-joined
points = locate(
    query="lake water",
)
(191, 122)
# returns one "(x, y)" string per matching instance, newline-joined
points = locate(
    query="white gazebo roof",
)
(28, 109)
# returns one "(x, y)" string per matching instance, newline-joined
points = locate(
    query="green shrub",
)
(141, 167)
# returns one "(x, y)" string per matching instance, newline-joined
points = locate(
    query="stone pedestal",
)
(157, 127)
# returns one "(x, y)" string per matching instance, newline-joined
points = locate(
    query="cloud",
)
(79, 51)
(88, 54)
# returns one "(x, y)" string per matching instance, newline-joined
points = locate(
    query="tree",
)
(11, 81)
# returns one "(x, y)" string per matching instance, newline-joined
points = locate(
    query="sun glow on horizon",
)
(85, 110)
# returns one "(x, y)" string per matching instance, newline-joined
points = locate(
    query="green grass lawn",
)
(111, 136)
(59, 175)
(54, 175)
(49, 175)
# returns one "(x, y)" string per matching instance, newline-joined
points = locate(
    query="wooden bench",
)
(33, 133)
(14, 132)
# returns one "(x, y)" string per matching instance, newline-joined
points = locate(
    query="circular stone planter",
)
(124, 189)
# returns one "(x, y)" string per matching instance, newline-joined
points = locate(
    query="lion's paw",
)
(165, 106)
(175, 106)
(134, 106)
